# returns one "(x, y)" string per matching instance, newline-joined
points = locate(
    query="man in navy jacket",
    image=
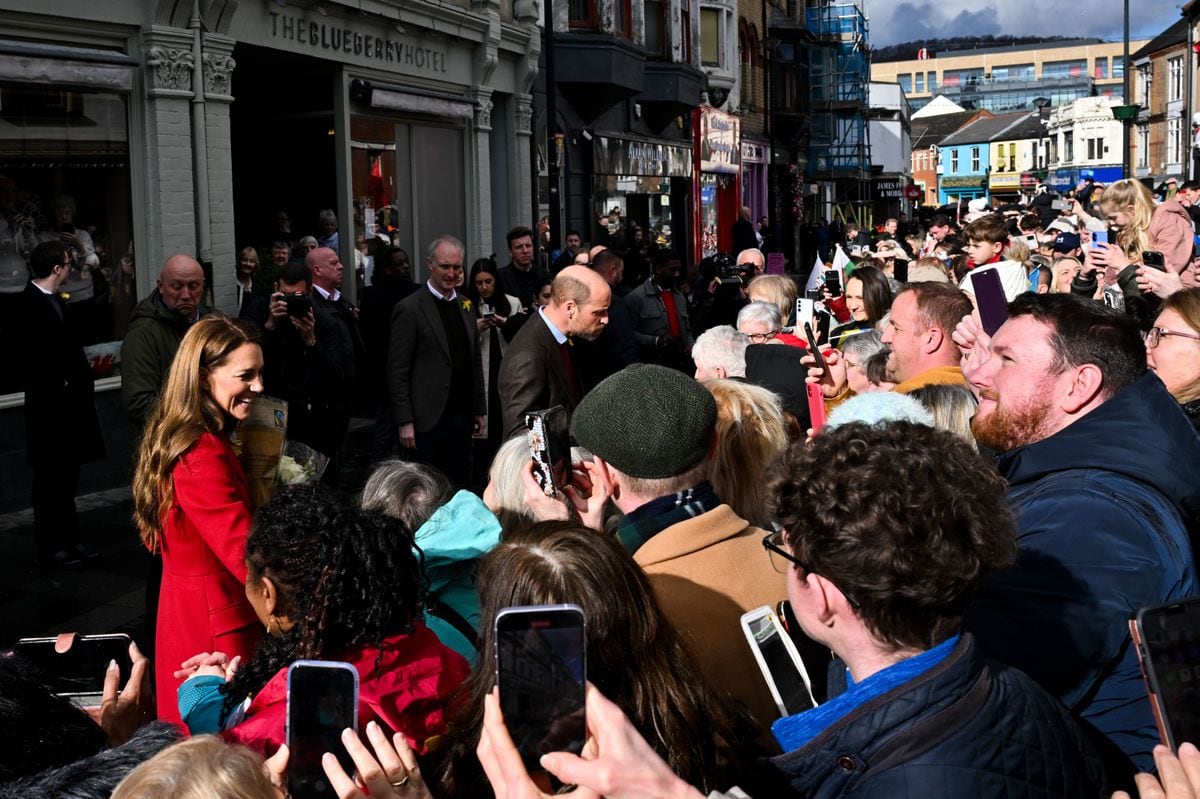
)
(1104, 475)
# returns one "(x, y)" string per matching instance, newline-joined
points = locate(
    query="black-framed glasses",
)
(1155, 334)
(774, 544)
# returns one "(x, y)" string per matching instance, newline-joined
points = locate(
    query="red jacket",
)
(411, 693)
(203, 605)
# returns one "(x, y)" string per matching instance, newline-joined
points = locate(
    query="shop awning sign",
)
(720, 142)
(612, 155)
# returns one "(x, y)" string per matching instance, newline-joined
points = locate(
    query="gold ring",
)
(401, 783)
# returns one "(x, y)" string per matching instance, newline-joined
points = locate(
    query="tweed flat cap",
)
(648, 421)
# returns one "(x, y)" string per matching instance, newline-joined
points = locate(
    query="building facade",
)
(181, 126)
(1019, 158)
(1161, 140)
(1010, 78)
(890, 131)
(1085, 142)
(928, 131)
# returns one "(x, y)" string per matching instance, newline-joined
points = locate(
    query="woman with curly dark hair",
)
(633, 655)
(330, 582)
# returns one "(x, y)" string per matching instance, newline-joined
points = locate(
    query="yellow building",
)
(1010, 78)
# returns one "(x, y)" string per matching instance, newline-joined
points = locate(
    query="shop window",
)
(64, 176)
(653, 205)
(710, 37)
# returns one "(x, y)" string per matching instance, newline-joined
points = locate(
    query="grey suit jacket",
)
(532, 376)
(419, 368)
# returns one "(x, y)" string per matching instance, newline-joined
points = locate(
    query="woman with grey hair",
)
(453, 530)
(760, 322)
(856, 350)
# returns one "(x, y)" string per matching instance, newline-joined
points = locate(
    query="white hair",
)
(759, 258)
(765, 312)
(445, 239)
(722, 346)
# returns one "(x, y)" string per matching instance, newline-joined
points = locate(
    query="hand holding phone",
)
(322, 700)
(1165, 637)
(815, 351)
(778, 661)
(76, 666)
(833, 282)
(990, 299)
(549, 437)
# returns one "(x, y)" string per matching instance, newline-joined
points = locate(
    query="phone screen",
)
(322, 701)
(79, 671)
(541, 670)
(550, 448)
(767, 636)
(833, 281)
(990, 299)
(1171, 639)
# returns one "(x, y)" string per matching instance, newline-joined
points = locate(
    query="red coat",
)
(412, 693)
(203, 605)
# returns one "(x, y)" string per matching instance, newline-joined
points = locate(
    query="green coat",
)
(146, 355)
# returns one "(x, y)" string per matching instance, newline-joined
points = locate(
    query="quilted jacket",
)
(963, 728)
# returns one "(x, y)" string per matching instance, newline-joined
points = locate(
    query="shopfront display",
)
(640, 184)
(718, 163)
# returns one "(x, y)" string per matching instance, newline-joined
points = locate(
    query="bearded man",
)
(1104, 474)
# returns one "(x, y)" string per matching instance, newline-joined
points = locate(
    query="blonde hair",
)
(778, 290)
(204, 767)
(1055, 272)
(1018, 251)
(1134, 238)
(184, 412)
(951, 407)
(508, 492)
(750, 435)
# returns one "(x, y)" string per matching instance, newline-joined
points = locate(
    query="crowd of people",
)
(960, 520)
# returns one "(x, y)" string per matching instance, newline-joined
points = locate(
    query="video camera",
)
(727, 272)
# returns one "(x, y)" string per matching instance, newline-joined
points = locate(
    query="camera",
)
(298, 305)
(727, 271)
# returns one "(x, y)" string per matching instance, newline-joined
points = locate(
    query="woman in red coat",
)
(191, 501)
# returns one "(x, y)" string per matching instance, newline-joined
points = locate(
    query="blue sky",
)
(914, 20)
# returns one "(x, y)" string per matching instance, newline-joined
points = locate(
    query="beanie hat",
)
(648, 421)
(879, 407)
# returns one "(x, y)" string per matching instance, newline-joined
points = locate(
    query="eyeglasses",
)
(773, 543)
(760, 338)
(1155, 334)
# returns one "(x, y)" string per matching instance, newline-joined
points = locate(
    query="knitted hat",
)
(647, 421)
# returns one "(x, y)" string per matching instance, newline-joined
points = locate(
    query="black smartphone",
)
(322, 700)
(298, 305)
(550, 448)
(74, 665)
(541, 669)
(833, 282)
(1154, 259)
(990, 299)
(815, 350)
(1168, 644)
(812, 294)
(900, 270)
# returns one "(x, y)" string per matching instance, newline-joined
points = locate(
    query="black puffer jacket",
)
(97, 776)
(963, 728)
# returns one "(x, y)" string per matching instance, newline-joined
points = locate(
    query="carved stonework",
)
(483, 113)
(524, 116)
(218, 69)
(170, 68)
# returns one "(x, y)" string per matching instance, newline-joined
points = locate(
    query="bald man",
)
(539, 369)
(155, 330)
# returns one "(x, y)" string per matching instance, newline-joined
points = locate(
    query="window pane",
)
(905, 82)
(920, 82)
(654, 26)
(710, 37)
(580, 11)
(1064, 69)
(64, 176)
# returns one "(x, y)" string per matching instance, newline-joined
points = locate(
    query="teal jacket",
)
(453, 539)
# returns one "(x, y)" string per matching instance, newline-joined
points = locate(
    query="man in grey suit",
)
(435, 375)
(539, 369)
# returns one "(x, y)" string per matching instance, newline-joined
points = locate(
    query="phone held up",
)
(549, 435)
(1167, 639)
(990, 298)
(833, 282)
(322, 700)
(541, 670)
(1154, 260)
(778, 661)
(74, 665)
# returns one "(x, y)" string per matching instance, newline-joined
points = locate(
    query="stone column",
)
(479, 172)
(521, 193)
(170, 222)
(218, 73)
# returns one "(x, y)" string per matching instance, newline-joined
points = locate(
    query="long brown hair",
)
(184, 412)
(634, 655)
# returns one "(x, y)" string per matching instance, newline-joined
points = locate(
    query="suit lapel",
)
(433, 318)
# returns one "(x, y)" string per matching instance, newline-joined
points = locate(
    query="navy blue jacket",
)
(963, 728)
(1103, 509)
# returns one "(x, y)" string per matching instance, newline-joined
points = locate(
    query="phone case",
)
(816, 407)
(75, 664)
(1160, 718)
(766, 612)
(537, 423)
(990, 299)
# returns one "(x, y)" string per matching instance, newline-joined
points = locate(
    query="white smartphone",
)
(779, 661)
(804, 312)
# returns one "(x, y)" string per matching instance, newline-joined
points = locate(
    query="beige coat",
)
(706, 573)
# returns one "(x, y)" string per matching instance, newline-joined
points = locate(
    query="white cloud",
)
(918, 20)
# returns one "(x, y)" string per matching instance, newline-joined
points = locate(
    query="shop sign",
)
(612, 155)
(344, 39)
(1061, 179)
(756, 153)
(1010, 181)
(1103, 174)
(889, 189)
(720, 143)
(963, 182)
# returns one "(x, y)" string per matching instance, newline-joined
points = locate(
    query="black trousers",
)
(448, 447)
(55, 524)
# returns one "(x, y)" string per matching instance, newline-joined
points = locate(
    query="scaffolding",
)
(839, 60)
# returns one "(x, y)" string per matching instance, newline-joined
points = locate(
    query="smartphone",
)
(541, 669)
(1060, 205)
(804, 310)
(824, 320)
(74, 666)
(1100, 237)
(549, 435)
(833, 282)
(816, 407)
(778, 661)
(1168, 646)
(1114, 298)
(1031, 241)
(900, 270)
(815, 350)
(1154, 260)
(298, 305)
(812, 294)
(989, 299)
(322, 700)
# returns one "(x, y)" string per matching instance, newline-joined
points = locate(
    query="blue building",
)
(964, 157)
